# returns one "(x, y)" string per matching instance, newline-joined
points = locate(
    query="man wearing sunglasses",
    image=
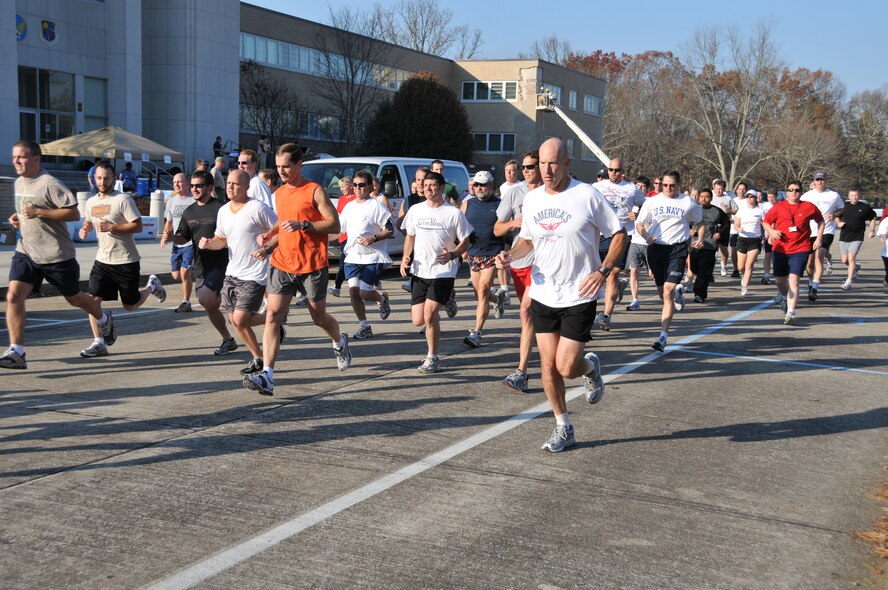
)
(509, 220)
(199, 221)
(664, 222)
(368, 224)
(182, 257)
(626, 200)
(248, 161)
(788, 227)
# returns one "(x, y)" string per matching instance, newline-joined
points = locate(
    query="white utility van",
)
(394, 174)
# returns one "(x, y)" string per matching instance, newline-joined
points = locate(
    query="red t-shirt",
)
(784, 215)
(340, 205)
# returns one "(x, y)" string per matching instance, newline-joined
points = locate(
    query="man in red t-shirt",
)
(788, 231)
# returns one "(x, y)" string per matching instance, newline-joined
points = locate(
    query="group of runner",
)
(563, 242)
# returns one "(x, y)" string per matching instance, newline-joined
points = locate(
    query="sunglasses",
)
(669, 185)
(793, 190)
(361, 184)
(244, 163)
(529, 167)
(477, 184)
(198, 185)
(614, 169)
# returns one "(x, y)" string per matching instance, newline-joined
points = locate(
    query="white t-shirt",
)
(883, 232)
(670, 219)
(259, 191)
(725, 203)
(565, 230)
(510, 207)
(504, 187)
(240, 230)
(365, 219)
(622, 196)
(173, 209)
(436, 229)
(737, 203)
(750, 221)
(828, 201)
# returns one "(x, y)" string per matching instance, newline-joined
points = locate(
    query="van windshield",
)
(329, 175)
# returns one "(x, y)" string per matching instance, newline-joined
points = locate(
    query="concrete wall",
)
(125, 65)
(9, 119)
(190, 73)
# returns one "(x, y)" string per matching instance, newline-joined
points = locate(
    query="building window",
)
(490, 91)
(296, 58)
(591, 105)
(46, 104)
(494, 143)
(586, 153)
(572, 100)
(571, 147)
(95, 103)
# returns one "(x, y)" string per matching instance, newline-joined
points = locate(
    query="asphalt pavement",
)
(746, 456)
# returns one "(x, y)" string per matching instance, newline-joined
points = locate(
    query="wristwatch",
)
(305, 225)
(605, 271)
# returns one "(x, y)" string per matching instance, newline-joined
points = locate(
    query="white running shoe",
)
(473, 339)
(93, 350)
(846, 286)
(343, 355)
(634, 306)
(259, 382)
(660, 344)
(593, 380)
(789, 319)
(157, 288)
(562, 438)
(678, 298)
(385, 308)
(363, 333)
(744, 291)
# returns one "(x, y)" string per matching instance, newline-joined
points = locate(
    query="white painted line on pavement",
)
(787, 362)
(49, 323)
(239, 553)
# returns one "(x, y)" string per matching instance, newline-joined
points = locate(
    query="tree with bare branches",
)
(355, 82)
(269, 106)
(424, 26)
(728, 99)
(552, 49)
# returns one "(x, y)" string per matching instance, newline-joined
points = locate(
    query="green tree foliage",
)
(424, 119)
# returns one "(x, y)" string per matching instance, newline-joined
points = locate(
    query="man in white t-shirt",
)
(738, 201)
(181, 257)
(248, 161)
(368, 224)
(830, 204)
(626, 200)
(511, 172)
(509, 219)
(726, 204)
(238, 224)
(562, 223)
(115, 271)
(437, 235)
(664, 221)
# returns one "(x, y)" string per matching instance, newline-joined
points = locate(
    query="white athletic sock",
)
(815, 284)
(365, 324)
(17, 348)
(587, 366)
(99, 339)
(563, 419)
(104, 319)
(341, 344)
(268, 371)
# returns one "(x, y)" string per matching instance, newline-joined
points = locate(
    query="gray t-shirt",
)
(44, 241)
(509, 208)
(116, 208)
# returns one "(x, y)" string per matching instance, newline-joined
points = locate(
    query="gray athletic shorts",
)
(285, 283)
(241, 295)
(637, 256)
(850, 247)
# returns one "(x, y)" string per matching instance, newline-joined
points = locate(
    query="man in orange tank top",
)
(297, 249)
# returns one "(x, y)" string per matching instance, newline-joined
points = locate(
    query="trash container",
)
(144, 186)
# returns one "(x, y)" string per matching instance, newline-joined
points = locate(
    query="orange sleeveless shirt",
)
(299, 252)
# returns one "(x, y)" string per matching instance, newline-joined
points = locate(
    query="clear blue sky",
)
(849, 39)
